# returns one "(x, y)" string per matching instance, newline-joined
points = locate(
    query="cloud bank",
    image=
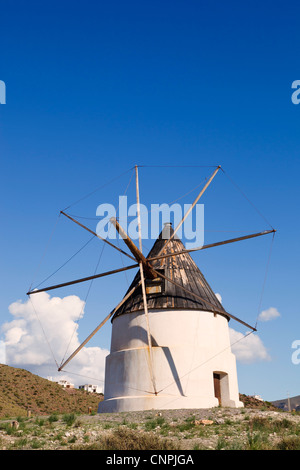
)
(251, 349)
(42, 329)
(248, 349)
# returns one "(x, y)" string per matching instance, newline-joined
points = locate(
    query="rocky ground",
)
(213, 429)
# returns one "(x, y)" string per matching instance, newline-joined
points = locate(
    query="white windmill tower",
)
(160, 371)
(170, 345)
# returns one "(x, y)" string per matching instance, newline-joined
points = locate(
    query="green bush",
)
(69, 419)
(53, 418)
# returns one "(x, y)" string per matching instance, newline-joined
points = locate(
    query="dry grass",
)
(231, 429)
(124, 438)
(60, 421)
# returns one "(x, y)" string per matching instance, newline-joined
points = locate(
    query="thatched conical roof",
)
(162, 294)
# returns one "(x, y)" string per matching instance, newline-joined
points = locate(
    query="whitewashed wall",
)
(188, 347)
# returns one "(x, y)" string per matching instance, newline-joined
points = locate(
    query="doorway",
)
(221, 388)
(217, 387)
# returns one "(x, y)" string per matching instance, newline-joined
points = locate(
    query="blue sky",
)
(94, 88)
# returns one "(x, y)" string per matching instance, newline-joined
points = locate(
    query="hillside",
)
(21, 390)
(253, 403)
(285, 404)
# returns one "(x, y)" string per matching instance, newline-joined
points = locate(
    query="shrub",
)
(126, 439)
(53, 418)
(269, 425)
(257, 441)
(289, 443)
(69, 419)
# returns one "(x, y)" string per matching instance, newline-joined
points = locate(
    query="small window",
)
(155, 286)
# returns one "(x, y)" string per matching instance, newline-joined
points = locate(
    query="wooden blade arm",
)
(143, 284)
(96, 235)
(140, 258)
(99, 326)
(148, 329)
(190, 209)
(211, 245)
(83, 279)
(206, 301)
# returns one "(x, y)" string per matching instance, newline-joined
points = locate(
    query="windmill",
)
(170, 345)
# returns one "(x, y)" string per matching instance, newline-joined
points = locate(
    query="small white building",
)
(258, 397)
(65, 384)
(91, 388)
(192, 364)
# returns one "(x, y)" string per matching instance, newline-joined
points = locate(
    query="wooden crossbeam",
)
(139, 257)
(211, 245)
(83, 279)
(151, 367)
(190, 209)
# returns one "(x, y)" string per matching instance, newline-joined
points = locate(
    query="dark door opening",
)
(217, 387)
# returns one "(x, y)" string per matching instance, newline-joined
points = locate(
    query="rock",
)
(204, 422)
(219, 421)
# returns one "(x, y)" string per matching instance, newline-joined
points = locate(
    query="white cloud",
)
(250, 348)
(2, 352)
(247, 349)
(40, 333)
(269, 314)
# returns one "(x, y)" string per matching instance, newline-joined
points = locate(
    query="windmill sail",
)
(162, 294)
